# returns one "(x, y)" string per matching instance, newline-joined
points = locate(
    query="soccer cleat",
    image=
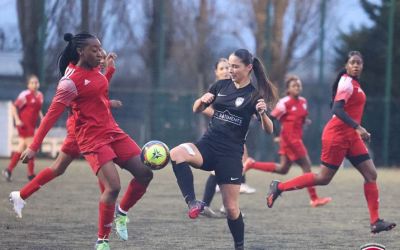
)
(120, 225)
(247, 163)
(222, 210)
(217, 189)
(18, 203)
(208, 212)
(246, 189)
(6, 174)
(273, 193)
(30, 177)
(102, 245)
(195, 208)
(381, 225)
(320, 201)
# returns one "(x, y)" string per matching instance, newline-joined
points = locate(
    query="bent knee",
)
(180, 153)
(232, 212)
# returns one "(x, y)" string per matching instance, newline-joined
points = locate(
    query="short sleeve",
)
(345, 89)
(21, 100)
(66, 92)
(279, 110)
(213, 89)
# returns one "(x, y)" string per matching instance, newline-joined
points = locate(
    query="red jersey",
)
(29, 104)
(291, 113)
(350, 91)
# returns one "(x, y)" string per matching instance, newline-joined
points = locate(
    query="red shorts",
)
(121, 149)
(334, 151)
(294, 149)
(70, 146)
(25, 131)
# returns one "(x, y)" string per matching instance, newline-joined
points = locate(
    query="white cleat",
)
(18, 203)
(246, 189)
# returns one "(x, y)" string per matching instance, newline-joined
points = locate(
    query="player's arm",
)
(344, 92)
(266, 122)
(15, 115)
(110, 59)
(209, 112)
(66, 92)
(115, 103)
(203, 102)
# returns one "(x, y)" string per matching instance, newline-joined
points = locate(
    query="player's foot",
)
(30, 177)
(120, 225)
(195, 208)
(381, 225)
(222, 210)
(18, 203)
(246, 189)
(102, 245)
(239, 247)
(217, 189)
(273, 193)
(208, 212)
(320, 201)
(247, 164)
(6, 174)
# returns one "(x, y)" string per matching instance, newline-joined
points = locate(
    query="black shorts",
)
(225, 161)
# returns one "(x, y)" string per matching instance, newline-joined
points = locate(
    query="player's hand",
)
(307, 122)
(207, 98)
(27, 155)
(19, 123)
(261, 106)
(110, 59)
(115, 104)
(363, 133)
(277, 139)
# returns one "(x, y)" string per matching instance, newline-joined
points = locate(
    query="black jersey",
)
(234, 109)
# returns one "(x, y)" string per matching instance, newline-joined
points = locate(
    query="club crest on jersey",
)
(239, 101)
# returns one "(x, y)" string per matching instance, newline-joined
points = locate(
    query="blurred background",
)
(167, 50)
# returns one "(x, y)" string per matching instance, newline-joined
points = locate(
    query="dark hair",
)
(265, 87)
(341, 73)
(70, 53)
(222, 59)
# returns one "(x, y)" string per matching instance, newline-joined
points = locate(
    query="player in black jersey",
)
(220, 149)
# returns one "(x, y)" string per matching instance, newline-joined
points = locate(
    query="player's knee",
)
(371, 177)
(232, 211)
(282, 170)
(322, 180)
(178, 154)
(148, 176)
(113, 190)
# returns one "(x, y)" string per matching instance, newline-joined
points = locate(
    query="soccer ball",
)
(155, 155)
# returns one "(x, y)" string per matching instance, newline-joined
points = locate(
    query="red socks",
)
(313, 193)
(134, 192)
(31, 166)
(14, 161)
(372, 196)
(305, 180)
(41, 179)
(106, 217)
(263, 166)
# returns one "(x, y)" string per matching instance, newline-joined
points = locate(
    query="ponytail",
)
(266, 88)
(70, 53)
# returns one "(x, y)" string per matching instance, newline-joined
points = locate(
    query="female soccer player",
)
(69, 150)
(99, 137)
(220, 149)
(291, 111)
(343, 137)
(221, 71)
(26, 110)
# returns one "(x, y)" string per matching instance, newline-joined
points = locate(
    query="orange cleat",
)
(320, 201)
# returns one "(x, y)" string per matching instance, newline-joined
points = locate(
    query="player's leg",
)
(14, 159)
(31, 162)
(209, 192)
(332, 156)
(315, 201)
(361, 160)
(181, 157)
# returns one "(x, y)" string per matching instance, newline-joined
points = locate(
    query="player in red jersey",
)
(342, 137)
(99, 137)
(69, 150)
(25, 110)
(291, 111)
